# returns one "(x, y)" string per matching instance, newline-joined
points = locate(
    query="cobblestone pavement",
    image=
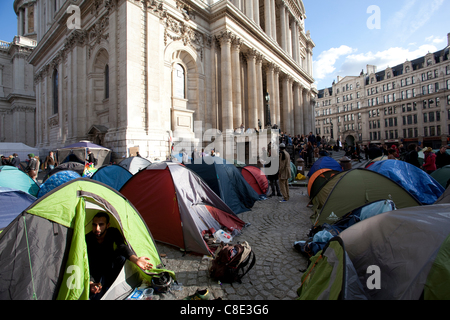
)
(274, 228)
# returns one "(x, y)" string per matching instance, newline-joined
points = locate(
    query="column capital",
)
(236, 43)
(225, 37)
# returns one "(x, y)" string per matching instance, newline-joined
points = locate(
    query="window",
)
(107, 82)
(179, 82)
(55, 91)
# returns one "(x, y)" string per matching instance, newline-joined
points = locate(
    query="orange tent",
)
(318, 180)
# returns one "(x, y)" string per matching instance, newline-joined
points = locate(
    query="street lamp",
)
(268, 123)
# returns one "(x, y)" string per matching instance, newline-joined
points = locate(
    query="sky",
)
(350, 34)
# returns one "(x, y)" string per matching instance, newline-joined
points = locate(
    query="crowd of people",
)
(32, 165)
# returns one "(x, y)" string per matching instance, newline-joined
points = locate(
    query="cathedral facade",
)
(148, 73)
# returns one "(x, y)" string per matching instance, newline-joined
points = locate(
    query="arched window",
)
(55, 91)
(179, 84)
(107, 82)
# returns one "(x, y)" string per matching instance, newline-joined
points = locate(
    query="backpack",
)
(231, 262)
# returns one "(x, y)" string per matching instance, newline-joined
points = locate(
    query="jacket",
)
(430, 162)
(285, 166)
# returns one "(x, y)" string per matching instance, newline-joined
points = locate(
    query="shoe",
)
(199, 295)
(283, 200)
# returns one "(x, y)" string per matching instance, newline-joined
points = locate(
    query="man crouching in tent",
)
(105, 263)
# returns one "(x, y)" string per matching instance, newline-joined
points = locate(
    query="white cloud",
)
(325, 63)
(435, 40)
(383, 59)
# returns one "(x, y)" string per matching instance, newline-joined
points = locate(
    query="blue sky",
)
(345, 44)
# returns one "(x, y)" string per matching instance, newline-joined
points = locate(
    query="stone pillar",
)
(277, 96)
(273, 19)
(237, 94)
(2, 94)
(283, 27)
(271, 91)
(259, 92)
(227, 81)
(295, 41)
(255, 11)
(285, 122)
(298, 108)
(268, 17)
(252, 92)
(307, 111)
(291, 106)
(249, 9)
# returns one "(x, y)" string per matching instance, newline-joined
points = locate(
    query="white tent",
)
(8, 148)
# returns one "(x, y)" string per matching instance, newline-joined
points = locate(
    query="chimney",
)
(448, 39)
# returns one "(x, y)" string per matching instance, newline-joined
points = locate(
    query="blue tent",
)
(11, 177)
(13, 202)
(324, 163)
(227, 182)
(114, 176)
(417, 182)
(57, 180)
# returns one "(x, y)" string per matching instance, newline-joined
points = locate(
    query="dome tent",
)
(353, 189)
(11, 177)
(178, 206)
(420, 184)
(13, 202)
(78, 152)
(227, 182)
(47, 240)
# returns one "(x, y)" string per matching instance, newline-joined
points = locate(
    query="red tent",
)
(178, 206)
(256, 179)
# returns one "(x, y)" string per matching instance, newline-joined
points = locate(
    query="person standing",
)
(284, 172)
(50, 162)
(442, 157)
(15, 161)
(32, 167)
(429, 164)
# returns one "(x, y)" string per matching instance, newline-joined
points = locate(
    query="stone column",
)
(259, 92)
(277, 96)
(237, 94)
(268, 17)
(227, 81)
(298, 108)
(285, 122)
(283, 27)
(271, 91)
(305, 108)
(255, 11)
(291, 106)
(252, 92)
(273, 19)
(249, 9)
(2, 94)
(294, 40)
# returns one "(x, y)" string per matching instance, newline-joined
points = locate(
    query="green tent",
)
(293, 172)
(331, 276)
(442, 175)
(43, 251)
(353, 189)
(398, 255)
(411, 248)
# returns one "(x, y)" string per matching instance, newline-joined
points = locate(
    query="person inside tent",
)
(105, 262)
